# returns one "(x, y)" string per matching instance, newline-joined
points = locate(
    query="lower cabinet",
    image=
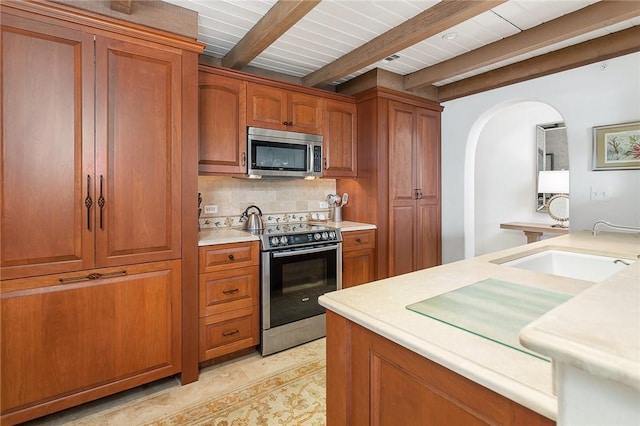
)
(358, 257)
(374, 381)
(229, 298)
(72, 338)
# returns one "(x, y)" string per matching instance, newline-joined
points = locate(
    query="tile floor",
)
(144, 403)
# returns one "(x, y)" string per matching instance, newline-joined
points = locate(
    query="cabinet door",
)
(107, 334)
(427, 158)
(305, 113)
(138, 128)
(266, 107)
(223, 122)
(46, 149)
(402, 151)
(428, 177)
(357, 267)
(340, 139)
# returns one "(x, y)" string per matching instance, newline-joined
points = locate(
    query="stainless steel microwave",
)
(283, 154)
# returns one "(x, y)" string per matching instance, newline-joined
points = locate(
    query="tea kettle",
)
(252, 221)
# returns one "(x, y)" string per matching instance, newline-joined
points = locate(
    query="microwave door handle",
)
(304, 251)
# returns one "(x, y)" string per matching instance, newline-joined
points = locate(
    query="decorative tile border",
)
(235, 222)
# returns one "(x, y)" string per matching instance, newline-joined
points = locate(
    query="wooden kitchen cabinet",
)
(229, 298)
(398, 185)
(282, 109)
(222, 123)
(95, 139)
(67, 339)
(340, 139)
(414, 188)
(74, 200)
(374, 381)
(358, 257)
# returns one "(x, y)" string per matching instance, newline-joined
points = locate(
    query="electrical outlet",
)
(324, 205)
(210, 209)
(598, 194)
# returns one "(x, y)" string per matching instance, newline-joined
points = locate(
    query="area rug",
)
(295, 396)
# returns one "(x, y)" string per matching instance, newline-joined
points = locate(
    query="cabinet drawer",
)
(228, 290)
(358, 240)
(225, 256)
(228, 332)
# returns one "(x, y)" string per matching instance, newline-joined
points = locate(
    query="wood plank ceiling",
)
(452, 47)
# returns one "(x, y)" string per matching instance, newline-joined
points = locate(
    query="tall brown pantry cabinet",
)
(93, 208)
(398, 185)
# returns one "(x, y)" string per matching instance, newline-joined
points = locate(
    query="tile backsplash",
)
(279, 200)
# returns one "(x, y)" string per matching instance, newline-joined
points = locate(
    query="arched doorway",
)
(500, 174)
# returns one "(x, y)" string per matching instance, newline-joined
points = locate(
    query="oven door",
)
(293, 279)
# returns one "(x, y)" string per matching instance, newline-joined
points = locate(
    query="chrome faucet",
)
(595, 231)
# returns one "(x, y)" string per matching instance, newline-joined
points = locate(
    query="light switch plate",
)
(212, 209)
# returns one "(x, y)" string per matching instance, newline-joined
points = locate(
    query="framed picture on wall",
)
(616, 147)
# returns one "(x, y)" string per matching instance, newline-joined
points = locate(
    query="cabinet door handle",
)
(418, 193)
(94, 276)
(231, 291)
(101, 202)
(324, 160)
(243, 161)
(88, 202)
(230, 333)
(358, 240)
(231, 257)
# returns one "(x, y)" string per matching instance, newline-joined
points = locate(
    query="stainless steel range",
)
(300, 262)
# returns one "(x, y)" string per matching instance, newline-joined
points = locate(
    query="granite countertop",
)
(212, 236)
(380, 306)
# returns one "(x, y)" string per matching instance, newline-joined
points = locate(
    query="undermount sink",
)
(581, 266)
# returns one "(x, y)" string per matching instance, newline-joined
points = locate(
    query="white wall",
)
(586, 97)
(505, 175)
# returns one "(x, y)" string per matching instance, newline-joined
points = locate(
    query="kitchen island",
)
(368, 325)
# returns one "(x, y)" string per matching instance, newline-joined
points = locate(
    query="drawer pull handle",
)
(230, 333)
(358, 240)
(231, 257)
(95, 276)
(231, 291)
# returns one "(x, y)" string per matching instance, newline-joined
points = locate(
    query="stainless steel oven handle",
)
(290, 253)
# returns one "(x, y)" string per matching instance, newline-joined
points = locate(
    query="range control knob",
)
(325, 236)
(317, 236)
(284, 240)
(275, 241)
(332, 235)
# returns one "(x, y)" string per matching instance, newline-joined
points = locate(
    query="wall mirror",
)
(552, 154)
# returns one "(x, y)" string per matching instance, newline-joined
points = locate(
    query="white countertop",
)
(212, 236)
(381, 307)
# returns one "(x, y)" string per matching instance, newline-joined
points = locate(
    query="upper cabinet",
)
(97, 181)
(282, 109)
(230, 101)
(340, 139)
(222, 122)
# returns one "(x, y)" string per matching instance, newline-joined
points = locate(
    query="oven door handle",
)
(303, 251)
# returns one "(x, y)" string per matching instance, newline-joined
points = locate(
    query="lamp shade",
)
(553, 182)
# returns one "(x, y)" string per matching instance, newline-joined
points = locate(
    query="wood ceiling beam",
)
(590, 18)
(432, 21)
(122, 6)
(600, 49)
(282, 16)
